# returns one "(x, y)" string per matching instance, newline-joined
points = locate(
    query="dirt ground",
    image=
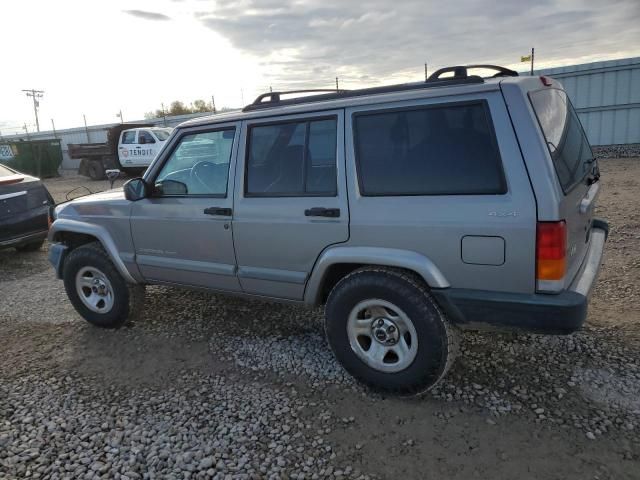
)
(578, 418)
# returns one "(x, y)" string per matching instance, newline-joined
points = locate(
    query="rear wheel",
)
(96, 289)
(96, 170)
(30, 247)
(388, 332)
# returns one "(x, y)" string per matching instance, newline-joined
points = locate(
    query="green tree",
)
(178, 108)
(200, 106)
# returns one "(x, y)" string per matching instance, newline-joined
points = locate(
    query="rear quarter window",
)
(567, 143)
(434, 150)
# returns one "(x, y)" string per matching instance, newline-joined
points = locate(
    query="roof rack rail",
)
(461, 71)
(274, 97)
(326, 94)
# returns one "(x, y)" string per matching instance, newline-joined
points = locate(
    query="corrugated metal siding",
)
(606, 96)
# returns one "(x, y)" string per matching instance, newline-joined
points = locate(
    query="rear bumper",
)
(24, 227)
(561, 313)
(23, 239)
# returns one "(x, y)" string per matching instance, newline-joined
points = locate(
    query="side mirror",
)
(135, 189)
(112, 176)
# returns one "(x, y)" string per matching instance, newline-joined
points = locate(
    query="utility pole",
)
(35, 95)
(119, 114)
(426, 76)
(337, 85)
(532, 60)
(86, 129)
(213, 104)
(54, 129)
(26, 130)
(164, 117)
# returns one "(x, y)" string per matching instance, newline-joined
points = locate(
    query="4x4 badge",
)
(503, 214)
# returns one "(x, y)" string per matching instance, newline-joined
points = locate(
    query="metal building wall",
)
(606, 96)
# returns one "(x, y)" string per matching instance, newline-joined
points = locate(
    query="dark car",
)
(24, 210)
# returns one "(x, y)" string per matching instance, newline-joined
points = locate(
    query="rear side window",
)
(435, 150)
(292, 159)
(129, 137)
(568, 145)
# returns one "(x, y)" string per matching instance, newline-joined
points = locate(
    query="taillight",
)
(551, 254)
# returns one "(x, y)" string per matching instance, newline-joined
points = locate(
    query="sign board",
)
(7, 152)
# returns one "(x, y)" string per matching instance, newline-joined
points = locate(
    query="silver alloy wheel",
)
(382, 335)
(94, 289)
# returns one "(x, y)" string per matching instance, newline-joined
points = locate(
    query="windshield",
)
(568, 145)
(162, 134)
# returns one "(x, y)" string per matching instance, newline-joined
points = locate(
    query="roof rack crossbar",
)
(461, 71)
(275, 99)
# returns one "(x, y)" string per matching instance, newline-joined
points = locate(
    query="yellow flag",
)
(526, 58)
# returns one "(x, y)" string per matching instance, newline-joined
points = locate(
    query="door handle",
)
(322, 212)
(224, 212)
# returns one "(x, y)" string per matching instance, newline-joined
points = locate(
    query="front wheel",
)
(387, 331)
(96, 289)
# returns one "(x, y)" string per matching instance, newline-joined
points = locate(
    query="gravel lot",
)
(204, 386)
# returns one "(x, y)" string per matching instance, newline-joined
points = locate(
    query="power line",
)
(35, 95)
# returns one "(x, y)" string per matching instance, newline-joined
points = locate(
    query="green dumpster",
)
(40, 158)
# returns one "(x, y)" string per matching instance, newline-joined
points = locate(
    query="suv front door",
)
(182, 233)
(290, 200)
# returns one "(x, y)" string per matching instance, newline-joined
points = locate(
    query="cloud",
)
(147, 15)
(309, 42)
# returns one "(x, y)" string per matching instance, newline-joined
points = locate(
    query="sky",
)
(99, 57)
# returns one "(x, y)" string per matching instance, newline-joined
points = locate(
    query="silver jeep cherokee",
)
(408, 211)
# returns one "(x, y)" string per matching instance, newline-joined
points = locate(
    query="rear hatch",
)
(576, 170)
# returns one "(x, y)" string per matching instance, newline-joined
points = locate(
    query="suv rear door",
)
(290, 200)
(575, 169)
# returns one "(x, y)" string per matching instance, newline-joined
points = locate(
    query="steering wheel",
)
(200, 172)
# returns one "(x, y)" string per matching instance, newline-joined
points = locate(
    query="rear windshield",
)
(568, 145)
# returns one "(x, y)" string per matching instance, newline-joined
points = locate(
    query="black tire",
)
(437, 341)
(30, 247)
(125, 297)
(96, 170)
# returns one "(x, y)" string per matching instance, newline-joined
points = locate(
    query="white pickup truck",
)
(130, 148)
(139, 146)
